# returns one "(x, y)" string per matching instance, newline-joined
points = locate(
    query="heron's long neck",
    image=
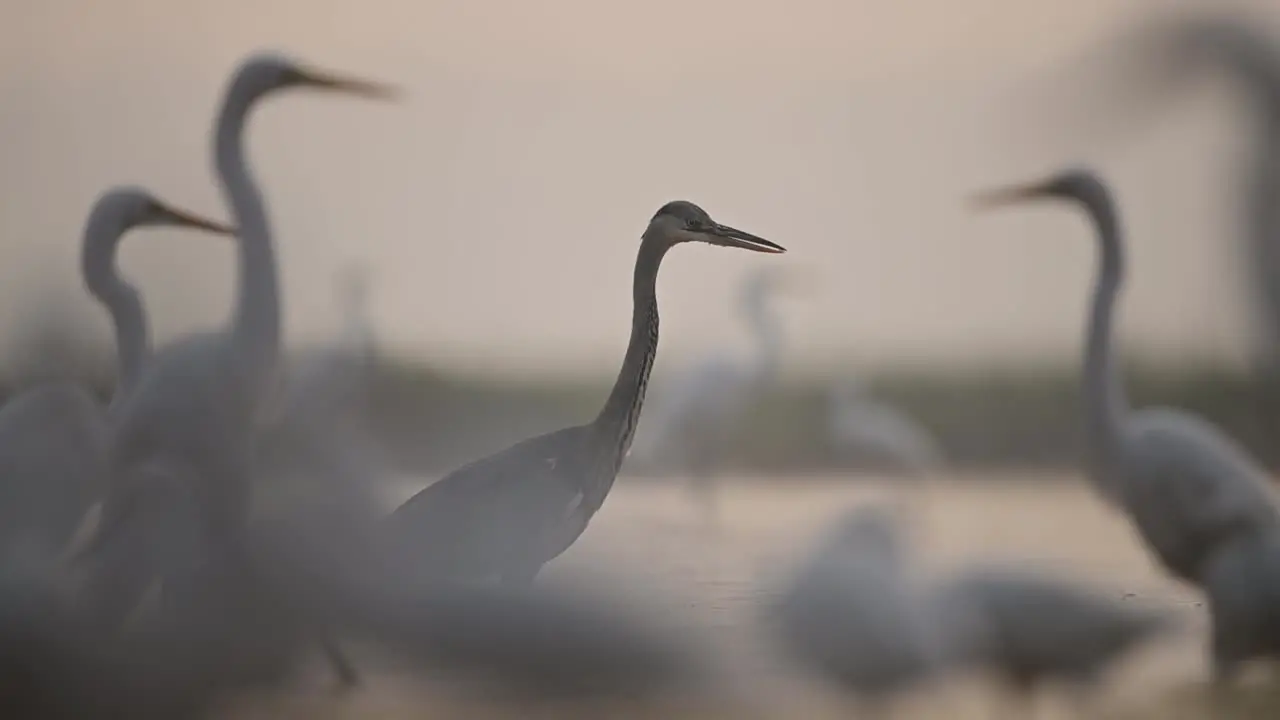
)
(1105, 402)
(1264, 239)
(122, 301)
(617, 421)
(256, 324)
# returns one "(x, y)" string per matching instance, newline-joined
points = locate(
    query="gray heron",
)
(512, 512)
(53, 437)
(193, 416)
(1187, 486)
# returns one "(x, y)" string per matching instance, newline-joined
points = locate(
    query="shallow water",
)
(712, 580)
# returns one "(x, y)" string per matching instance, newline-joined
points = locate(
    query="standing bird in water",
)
(510, 513)
(192, 418)
(697, 416)
(53, 438)
(1031, 628)
(1187, 487)
(860, 427)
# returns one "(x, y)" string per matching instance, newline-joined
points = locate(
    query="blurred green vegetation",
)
(999, 418)
(1016, 418)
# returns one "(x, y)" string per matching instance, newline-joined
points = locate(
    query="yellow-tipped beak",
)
(353, 86)
(183, 218)
(1005, 196)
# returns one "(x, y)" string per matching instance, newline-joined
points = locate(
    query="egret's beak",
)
(350, 85)
(1008, 195)
(182, 218)
(726, 236)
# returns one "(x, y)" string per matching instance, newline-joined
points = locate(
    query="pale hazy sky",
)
(501, 204)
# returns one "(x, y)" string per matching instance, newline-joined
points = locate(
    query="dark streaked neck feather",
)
(615, 426)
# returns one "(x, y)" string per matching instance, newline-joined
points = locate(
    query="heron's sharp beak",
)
(350, 85)
(1007, 195)
(182, 218)
(732, 237)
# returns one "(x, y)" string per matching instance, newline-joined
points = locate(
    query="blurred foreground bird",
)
(1173, 49)
(192, 418)
(555, 641)
(317, 468)
(226, 632)
(53, 437)
(1030, 628)
(1242, 584)
(318, 449)
(857, 614)
(1187, 487)
(854, 614)
(508, 514)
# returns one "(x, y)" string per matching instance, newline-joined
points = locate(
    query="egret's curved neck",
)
(256, 324)
(621, 413)
(1105, 402)
(767, 331)
(120, 298)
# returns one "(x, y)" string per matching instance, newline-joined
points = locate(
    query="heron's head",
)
(1073, 184)
(265, 72)
(681, 221)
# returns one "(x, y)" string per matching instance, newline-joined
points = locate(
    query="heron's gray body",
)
(529, 500)
(1189, 488)
(1242, 584)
